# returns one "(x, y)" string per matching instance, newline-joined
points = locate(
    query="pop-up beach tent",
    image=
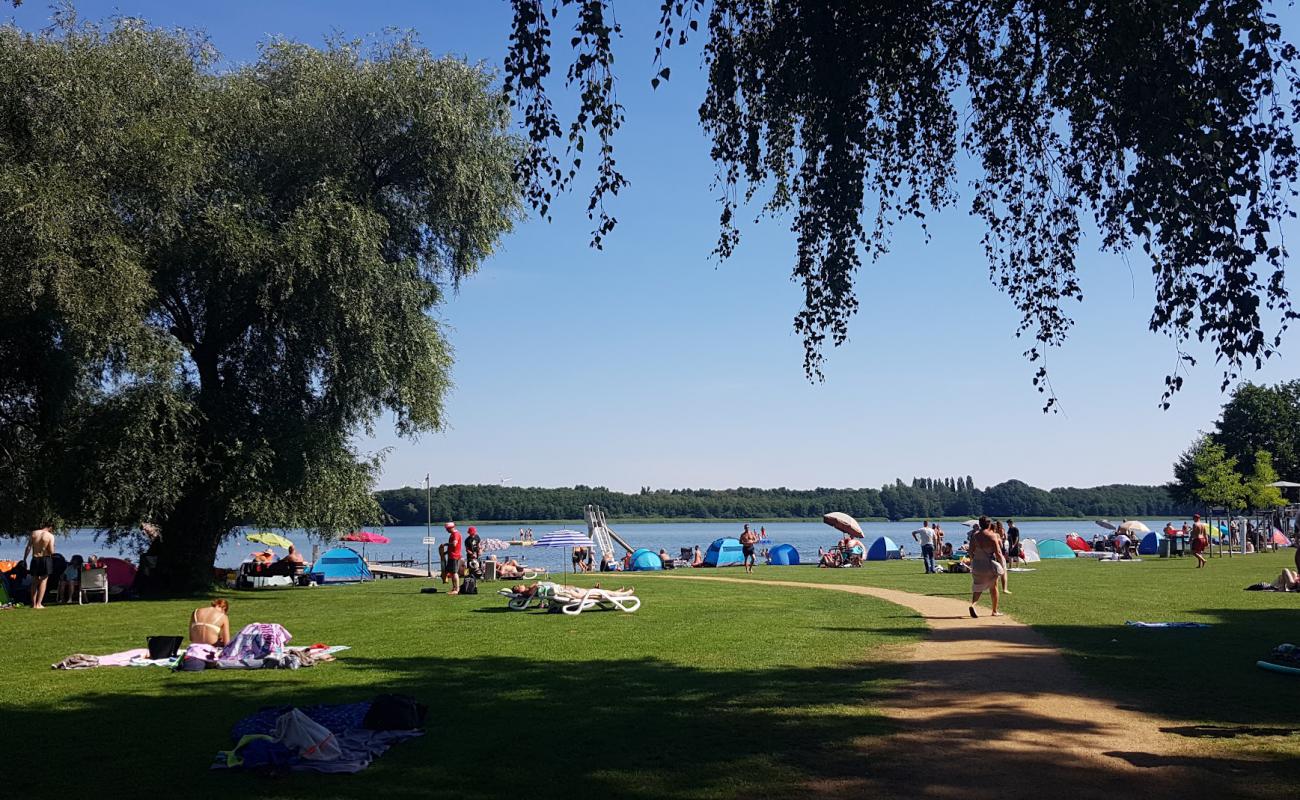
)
(725, 552)
(882, 549)
(1054, 548)
(1030, 549)
(1076, 542)
(644, 560)
(121, 574)
(341, 565)
(784, 555)
(1150, 544)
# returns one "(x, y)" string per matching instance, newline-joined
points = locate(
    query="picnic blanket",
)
(1133, 624)
(256, 745)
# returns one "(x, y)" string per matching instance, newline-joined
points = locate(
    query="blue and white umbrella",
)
(564, 538)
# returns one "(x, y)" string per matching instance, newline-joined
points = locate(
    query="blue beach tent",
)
(784, 555)
(341, 565)
(1054, 548)
(644, 560)
(725, 552)
(1150, 544)
(883, 549)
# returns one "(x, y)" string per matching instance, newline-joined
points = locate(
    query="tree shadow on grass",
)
(626, 728)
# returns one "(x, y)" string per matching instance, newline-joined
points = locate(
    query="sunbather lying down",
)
(1288, 581)
(527, 590)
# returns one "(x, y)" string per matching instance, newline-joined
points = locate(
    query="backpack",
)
(395, 712)
(469, 585)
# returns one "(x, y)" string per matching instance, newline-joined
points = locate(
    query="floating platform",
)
(521, 543)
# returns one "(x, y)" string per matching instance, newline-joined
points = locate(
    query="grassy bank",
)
(707, 691)
(1199, 676)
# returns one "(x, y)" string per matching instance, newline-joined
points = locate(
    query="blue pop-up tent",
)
(783, 555)
(644, 560)
(341, 565)
(1054, 548)
(1150, 544)
(725, 552)
(883, 549)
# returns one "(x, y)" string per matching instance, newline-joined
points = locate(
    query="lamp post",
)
(428, 528)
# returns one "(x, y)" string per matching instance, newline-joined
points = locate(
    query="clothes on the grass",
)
(257, 640)
(77, 661)
(306, 737)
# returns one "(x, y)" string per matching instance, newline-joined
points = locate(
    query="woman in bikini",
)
(211, 625)
(986, 562)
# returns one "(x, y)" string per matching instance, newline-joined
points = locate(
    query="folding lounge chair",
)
(576, 603)
(521, 602)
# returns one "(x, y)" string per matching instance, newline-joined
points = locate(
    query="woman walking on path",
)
(1004, 548)
(986, 564)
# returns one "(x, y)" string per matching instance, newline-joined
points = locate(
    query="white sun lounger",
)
(572, 603)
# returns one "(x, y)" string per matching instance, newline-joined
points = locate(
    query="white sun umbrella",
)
(564, 538)
(1133, 526)
(490, 545)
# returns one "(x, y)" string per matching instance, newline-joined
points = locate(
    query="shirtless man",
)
(40, 545)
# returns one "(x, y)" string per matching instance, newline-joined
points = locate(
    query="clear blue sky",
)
(650, 364)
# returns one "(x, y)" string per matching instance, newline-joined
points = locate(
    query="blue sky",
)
(650, 364)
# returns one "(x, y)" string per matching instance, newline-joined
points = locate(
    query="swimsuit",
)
(41, 566)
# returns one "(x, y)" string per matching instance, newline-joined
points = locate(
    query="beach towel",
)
(123, 659)
(256, 640)
(1133, 624)
(1022, 569)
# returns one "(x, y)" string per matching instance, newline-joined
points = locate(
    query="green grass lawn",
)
(708, 691)
(1205, 676)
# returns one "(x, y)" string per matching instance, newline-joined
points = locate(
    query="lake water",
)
(406, 541)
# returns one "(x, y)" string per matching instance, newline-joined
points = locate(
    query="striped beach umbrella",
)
(564, 538)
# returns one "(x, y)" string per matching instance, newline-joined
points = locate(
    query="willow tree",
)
(1166, 125)
(213, 279)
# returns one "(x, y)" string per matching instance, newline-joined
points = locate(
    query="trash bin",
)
(1164, 547)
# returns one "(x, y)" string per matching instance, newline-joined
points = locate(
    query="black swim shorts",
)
(748, 549)
(42, 567)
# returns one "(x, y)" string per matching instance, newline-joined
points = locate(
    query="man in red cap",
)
(455, 556)
(472, 543)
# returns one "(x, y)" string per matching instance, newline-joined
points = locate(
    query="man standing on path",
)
(925, 537)
(40, 545)
(747, 541)
(455, 556)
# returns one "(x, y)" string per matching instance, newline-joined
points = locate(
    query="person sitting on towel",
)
(211, 625)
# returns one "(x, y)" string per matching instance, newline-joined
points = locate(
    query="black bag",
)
(395, 712)
(469, 585)
(163, 646)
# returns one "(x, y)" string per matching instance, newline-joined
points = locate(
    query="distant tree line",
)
(923, 497)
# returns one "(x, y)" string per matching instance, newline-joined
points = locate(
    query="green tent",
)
(1054, 548)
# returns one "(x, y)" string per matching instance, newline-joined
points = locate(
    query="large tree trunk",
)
(180, 561)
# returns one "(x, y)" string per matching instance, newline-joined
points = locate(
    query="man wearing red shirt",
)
(455, 556)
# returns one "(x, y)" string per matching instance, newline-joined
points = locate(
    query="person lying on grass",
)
(1288, 581)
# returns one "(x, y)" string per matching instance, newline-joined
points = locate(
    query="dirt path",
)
(992, 710)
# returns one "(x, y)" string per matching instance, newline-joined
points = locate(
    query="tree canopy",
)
(213, 279)
(1263, 418)
(1166, 126)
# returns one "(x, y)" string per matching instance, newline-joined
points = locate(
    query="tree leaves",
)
(1170, 124)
